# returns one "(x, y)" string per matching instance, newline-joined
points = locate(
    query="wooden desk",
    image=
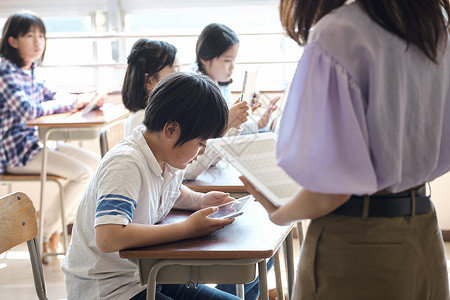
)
(226, 256)
(224, 177)
(221, 177)
(71, 126)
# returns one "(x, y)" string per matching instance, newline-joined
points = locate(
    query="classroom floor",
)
(16, 279)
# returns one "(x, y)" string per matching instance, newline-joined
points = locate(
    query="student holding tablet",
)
(23, 97)
(136, 185)
(216, 51)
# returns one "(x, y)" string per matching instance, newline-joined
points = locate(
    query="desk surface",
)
(251, 235)
(107, 114)
(221, 177)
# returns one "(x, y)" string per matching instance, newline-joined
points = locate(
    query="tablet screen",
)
(233, 209)
(91, 106)
(249, 86)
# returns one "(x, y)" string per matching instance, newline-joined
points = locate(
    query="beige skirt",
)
(353, 258)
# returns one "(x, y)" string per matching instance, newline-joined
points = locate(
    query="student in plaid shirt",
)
(24, 97)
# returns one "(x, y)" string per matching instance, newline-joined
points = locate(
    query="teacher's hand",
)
(258, 196)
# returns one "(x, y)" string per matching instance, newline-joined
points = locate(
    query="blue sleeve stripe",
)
(116, 196)
(113, 206)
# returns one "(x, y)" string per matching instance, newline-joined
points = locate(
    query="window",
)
(81, 56)
(263, 46)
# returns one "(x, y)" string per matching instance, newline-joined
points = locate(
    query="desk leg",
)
(263, 290)
(151, 282)
(240, 291)
(277, 269)
(152, 275)
(300, 234)
(43, 181)
(289, 243)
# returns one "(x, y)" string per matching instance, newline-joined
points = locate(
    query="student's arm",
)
(191, 200)
(207, 159)
(114, 237)
(53, 101)
(265, 118)
(202, 163)
(305, 205)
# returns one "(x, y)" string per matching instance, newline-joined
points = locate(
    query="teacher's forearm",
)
(307, 205)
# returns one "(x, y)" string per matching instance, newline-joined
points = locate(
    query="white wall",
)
(440, 194)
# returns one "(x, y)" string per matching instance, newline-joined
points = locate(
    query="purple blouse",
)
(365, 112)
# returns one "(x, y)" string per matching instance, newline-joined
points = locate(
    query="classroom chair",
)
(18, 224)
(111, 135)
(9, 179)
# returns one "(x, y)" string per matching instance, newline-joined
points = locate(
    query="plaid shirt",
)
(23, 98)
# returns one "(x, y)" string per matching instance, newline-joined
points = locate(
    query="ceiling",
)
(85, 7)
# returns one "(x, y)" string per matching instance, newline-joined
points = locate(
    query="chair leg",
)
(41, 226)
(65, 239)
(38, 274)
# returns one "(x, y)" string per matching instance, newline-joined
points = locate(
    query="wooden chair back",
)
(111, 135)
(8, 179)
(18, 224)
(18, 221)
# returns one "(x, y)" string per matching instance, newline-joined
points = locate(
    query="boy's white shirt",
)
(129, 169)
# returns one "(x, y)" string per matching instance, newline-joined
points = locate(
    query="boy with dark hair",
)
(137, 184)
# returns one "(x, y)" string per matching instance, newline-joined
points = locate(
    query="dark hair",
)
(18, 25)
(419, 22)
(214, 40)
(193, 101)
(146, 57)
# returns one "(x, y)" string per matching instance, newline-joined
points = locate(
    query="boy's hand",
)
(198, 224)
(238, 114)
(215, 198)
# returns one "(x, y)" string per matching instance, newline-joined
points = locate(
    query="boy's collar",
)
(150, 158)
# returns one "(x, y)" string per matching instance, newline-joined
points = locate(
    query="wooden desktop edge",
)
(206, 189)
(224, 178)
(197, 248)
(93, 119)
(143, 253)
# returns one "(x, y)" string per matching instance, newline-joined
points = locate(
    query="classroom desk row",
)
(230, 255)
